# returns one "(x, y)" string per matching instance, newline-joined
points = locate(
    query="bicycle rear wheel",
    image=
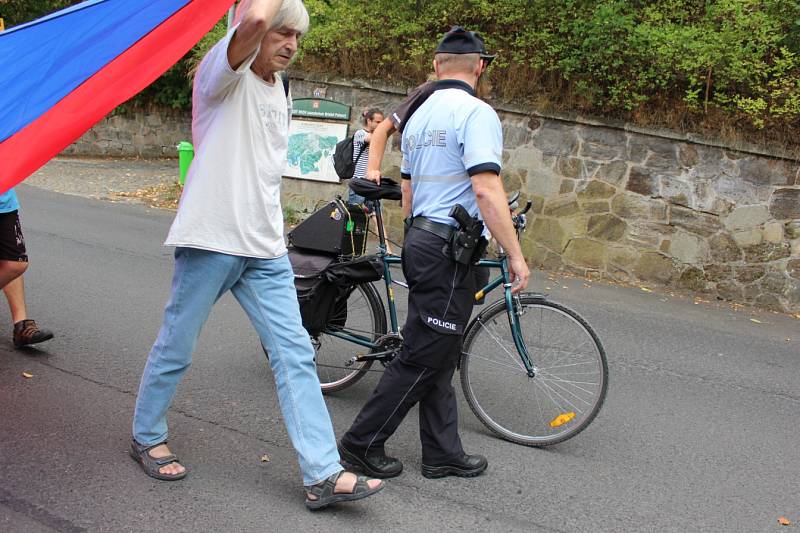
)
(570, 383)
(362, 316)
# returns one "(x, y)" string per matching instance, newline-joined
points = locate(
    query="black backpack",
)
(343, 162)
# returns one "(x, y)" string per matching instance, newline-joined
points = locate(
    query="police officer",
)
(452, 149)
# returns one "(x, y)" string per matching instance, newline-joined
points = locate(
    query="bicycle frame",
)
(512, 307)
(511, 301)
(387, 259)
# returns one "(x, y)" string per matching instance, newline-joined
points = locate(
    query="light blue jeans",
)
(265, 290)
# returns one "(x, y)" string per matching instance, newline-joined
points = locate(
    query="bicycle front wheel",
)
(362, 316)
(571, 373)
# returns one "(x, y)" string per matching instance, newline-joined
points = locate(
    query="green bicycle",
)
(532, 371)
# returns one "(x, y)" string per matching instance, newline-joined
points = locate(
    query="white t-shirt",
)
(231, 202)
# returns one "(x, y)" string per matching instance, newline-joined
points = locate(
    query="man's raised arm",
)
(254, 18)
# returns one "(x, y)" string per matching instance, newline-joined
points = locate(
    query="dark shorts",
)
(12, 243)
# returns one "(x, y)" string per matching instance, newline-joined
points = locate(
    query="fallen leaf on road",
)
(645, 289)
(265, 458)
(27, 375)
(757, 321)
(784, 521)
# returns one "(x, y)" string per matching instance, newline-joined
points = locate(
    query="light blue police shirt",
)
(452, 136)
(8, 201)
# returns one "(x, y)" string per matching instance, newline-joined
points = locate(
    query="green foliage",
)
(617, 57)
(291, 215)
(15, 12)
(738, 59)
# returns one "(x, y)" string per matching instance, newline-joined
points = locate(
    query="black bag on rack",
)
(338, 229)
(323, 286)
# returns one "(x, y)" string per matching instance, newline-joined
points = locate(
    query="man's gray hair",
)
(292, 15)
(450, 63)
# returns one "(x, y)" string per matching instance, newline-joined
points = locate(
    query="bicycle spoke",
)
(567, 390)
(514, 357)
(498, 363)
(560, 384)
(361, 317)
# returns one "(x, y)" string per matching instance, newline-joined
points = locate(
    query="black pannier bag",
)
(338, 228)
(323, 286)
(315, 294)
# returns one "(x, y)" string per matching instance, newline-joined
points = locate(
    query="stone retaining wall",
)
(152, 132)
(625, 205)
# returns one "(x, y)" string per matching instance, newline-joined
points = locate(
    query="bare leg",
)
(388, 245)
(26, 332)
(15, 294)
(374, 219)
(11, 270)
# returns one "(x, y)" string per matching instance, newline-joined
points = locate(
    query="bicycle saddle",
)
(388, 189)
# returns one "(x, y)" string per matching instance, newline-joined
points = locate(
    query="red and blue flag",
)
(61, 74)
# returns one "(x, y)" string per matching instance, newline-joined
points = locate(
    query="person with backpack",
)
(228, 236)
(372, 117)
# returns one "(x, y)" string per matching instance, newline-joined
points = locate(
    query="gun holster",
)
(467, 243)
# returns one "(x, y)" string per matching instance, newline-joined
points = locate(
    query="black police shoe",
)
(377, 465)
(464, 466)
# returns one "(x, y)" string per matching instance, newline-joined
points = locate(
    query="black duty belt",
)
(437, 228)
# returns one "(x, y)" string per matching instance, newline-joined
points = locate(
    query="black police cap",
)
(460, 41)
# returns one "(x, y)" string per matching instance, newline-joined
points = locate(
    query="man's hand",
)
(374, 175)
(519, 273)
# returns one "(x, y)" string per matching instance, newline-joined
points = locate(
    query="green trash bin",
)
(185, 156)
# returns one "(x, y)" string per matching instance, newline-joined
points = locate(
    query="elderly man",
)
(228, 235)
(452, 150)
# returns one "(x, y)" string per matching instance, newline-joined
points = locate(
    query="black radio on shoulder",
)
(467, 243)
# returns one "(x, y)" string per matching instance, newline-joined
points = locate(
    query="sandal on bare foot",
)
(325, 492)
(151, 465)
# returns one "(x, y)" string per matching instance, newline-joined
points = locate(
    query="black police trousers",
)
(441, 295)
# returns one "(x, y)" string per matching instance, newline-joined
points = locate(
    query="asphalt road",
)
(699, 431)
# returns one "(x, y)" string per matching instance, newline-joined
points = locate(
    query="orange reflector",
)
(478, 295)
(562, 419)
